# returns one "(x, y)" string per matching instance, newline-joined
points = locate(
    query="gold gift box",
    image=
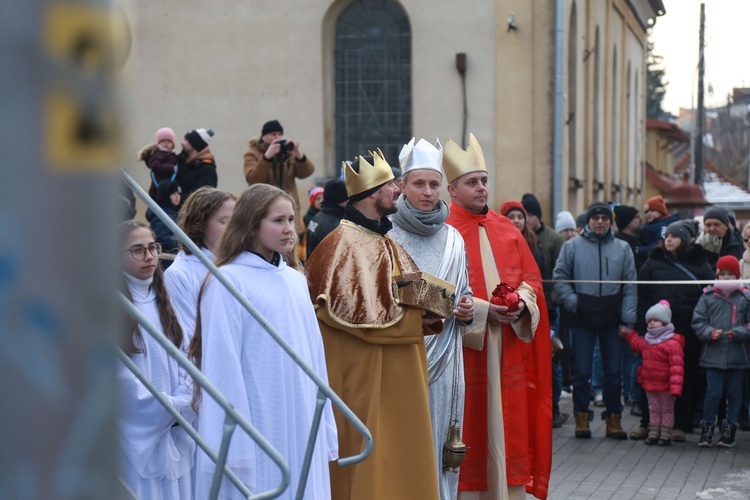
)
(425, 291)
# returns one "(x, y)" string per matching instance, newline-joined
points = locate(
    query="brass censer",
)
(454, 450)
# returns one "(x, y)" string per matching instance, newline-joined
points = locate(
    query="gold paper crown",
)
(458, 162)
(369, 176)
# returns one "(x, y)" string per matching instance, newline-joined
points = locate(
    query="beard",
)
(385, 207)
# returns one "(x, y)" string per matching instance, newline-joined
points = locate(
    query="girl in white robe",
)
(249, 367)
(156, 454)
(203, 218)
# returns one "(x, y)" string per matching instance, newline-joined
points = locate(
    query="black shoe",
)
(556, 418)
(727, 437)
(635, 410)
(707, 435)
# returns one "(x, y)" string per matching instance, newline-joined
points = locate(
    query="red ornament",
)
(506, 295)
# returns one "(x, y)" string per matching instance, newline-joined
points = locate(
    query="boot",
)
(665, 436)
(727, 437)
(653, 434)
(639, 434)
(678, 435)
(582, 425)
(614, 429)
(707, 434)
(557, 420)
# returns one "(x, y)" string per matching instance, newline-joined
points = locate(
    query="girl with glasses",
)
(248, 366)
(156, 453)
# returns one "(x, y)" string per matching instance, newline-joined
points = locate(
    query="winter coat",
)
(258, 170)
(716, 311)
(635, 244)
(730, 245)
(745, 265)
(163, 234)
(653, 231)
(198, 172)
(551, 242)
(663, 368)
(160, 162)
(597, 305)
(660, 266)
(322, 224)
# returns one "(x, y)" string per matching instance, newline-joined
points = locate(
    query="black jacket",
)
(635, 243)
(322, 224)
(196, 174)
(682, 298)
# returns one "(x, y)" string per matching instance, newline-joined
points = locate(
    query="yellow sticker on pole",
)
(81, 132)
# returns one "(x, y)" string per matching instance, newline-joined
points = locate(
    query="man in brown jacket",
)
(277, 161)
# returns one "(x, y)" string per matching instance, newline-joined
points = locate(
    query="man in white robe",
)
(419, 226)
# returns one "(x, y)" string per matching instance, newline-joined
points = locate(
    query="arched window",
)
(372, 53)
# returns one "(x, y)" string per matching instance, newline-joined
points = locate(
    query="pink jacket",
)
(663, 366)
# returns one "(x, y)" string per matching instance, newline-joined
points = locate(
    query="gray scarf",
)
(418, 222)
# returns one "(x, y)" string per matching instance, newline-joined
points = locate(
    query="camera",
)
(286, 146)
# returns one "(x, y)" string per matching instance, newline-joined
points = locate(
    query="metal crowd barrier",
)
(233, 418)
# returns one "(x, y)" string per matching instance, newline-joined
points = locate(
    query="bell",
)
(454, 450)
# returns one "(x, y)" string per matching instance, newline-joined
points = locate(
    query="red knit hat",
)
(510, 205)
(729, 263)
(657, 203)
(314, 193)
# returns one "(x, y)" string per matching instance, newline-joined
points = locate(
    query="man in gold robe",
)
(375, 349)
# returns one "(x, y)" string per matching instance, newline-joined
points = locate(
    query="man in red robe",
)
(508, 409)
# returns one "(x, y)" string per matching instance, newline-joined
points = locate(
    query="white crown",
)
(422, 156)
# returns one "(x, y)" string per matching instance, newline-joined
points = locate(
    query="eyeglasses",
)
(139, 252)
(599, 218)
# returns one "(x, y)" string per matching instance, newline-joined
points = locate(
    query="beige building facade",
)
(233, 65)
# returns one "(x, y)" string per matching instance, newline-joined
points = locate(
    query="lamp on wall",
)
(512, 22)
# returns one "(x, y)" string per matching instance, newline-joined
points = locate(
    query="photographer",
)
(277, 161)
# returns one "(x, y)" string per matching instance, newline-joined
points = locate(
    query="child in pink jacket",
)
(662, 372)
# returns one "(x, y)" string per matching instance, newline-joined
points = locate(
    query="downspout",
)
(557, 141)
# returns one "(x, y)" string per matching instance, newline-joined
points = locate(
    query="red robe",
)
(526, 373)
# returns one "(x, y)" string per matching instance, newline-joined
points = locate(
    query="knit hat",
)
(511, 205)
(624, 215)
(313, 193)
(531, 204)
(396, 172)
(598, 208)
(717, 213)
(660, 311)
(334, 192)
(272, 126)
(582, 219)
(199, 138)
(165, 133)
(657, 203)
(729, 263)
(564, 221)
(683, 229)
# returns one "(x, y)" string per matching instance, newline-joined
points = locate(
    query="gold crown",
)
(369, 176)
(458, 162)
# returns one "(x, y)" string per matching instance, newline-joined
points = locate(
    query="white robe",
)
(183, 280)
(443, 255)
(156, 457)
(262, 381)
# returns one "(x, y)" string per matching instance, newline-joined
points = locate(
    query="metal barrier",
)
(233, 417)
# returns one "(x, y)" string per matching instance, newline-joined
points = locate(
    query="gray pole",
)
(557, 139)
(701, 106)
(58, 252)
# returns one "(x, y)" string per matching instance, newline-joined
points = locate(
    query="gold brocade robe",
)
(377, 364)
